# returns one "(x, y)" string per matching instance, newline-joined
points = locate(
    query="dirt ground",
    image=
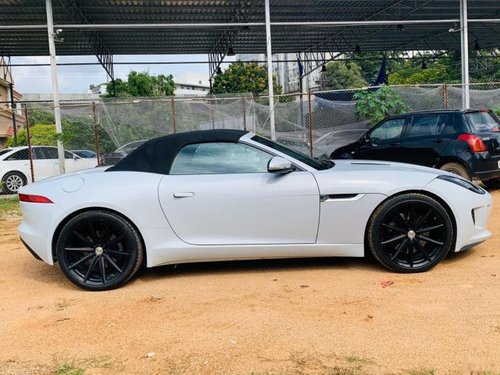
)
(316, 316)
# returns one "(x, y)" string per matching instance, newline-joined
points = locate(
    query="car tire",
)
(457, 169)
(99, 250)
(492, 184)
(13, 181)
(410, 233)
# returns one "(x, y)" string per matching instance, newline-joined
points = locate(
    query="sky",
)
(77, 79)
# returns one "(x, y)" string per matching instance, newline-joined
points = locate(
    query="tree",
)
(378, 104)
(142, 84)
(242, 77)
(343, 75)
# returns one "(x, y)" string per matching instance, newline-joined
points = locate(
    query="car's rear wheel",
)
(410, 233)
(13, 181)
(99, 250)
(457, 169)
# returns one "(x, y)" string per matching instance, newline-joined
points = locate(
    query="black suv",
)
(466, 143)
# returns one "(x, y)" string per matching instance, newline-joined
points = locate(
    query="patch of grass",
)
(69, 369)
(419, 372)
(9, 207)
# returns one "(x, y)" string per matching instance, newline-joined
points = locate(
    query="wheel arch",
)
(441, 201)
(63, 222)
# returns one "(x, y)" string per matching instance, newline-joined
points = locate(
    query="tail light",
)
(476, 144)
(34, 198)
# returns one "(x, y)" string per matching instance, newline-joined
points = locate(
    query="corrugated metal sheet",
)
(198, 40)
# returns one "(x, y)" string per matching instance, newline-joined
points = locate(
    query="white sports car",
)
(230, 195)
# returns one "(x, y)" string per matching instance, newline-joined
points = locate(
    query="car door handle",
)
(184, 195)
(395, 144)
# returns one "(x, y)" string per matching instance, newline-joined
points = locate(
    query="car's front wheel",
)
(99, 250)
(410, 233)
(13, 181)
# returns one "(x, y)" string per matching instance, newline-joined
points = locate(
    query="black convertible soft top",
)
(158, 154)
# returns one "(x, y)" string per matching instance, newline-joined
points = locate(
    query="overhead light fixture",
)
(424, 65)
(219, 70)
(400, 27)
(230, 51)
(477, 47)
(357, 49)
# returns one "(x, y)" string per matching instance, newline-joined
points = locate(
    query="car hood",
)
(368, 176)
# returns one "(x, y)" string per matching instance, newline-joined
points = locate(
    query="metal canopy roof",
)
(182, 30)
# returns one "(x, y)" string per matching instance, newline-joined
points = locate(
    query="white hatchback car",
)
(15, 169)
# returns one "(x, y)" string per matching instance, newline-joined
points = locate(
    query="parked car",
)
(15, 169)
(229, 194)
(87, 154)
(466, 143)
(111, 158)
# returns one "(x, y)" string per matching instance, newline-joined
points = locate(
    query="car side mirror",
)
(280, 165)
(76, 157)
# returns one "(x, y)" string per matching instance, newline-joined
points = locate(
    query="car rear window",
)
(483, 121)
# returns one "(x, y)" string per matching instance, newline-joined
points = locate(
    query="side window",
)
(19, 155)
(388, 130)
(50, 152)
(424, 126)
(220, 158)
(68, 155)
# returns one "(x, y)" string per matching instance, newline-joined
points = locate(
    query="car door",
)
(422, 139)
(222, 194)
(45, 164)
(382, 142)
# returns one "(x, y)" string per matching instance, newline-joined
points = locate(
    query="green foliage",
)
(40, 135)
(376, 105)
(69, 369)
(343, 75)
(436, 72)
(143, 84)
(78, 133)
(244, 78)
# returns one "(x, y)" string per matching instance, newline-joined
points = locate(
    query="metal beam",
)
(130, 26)
(95, 41)
(270, 70)
(55, 85)
(227, 38)
(464, 42)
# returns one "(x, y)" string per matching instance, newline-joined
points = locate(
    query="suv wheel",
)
(457, 169)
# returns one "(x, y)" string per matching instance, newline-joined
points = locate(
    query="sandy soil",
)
(320, 316)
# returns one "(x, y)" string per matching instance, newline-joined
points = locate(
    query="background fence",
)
(314, 123)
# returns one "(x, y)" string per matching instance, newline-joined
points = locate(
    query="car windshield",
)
(312, 162)
(483, 121)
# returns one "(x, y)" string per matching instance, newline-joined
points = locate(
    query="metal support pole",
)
(173, 116)
(464, 39)
(244, 113)
(55, 86)
(310, 122)
(96, 133)
(28, 141)
(445, 95)
(270, 71)
(13, 108)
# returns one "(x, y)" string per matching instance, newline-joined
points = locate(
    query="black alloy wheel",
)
(410, 233)
(99, 250)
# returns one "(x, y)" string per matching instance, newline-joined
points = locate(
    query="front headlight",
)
(463, 183)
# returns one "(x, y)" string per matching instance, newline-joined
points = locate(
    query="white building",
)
(191, 84)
